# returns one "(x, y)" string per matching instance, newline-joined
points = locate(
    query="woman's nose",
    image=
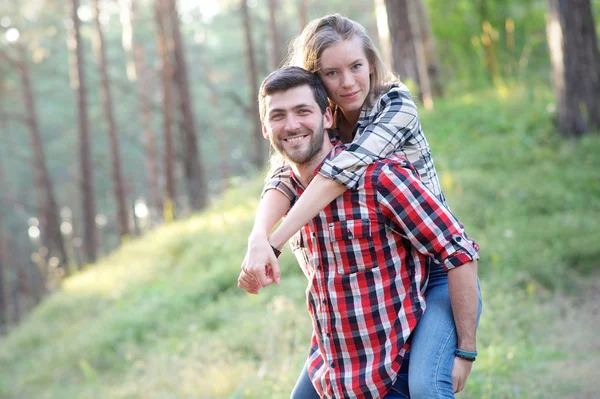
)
(347, 80)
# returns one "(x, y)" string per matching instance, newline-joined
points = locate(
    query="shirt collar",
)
(338, 147)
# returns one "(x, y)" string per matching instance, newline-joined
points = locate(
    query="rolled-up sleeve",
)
(281, 180)
(396, 121)
(416, 214)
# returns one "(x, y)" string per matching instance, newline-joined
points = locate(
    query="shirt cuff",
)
(345, 177)
(466, 251)
(282, 188)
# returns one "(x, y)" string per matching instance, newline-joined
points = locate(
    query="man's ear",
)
(265, 134)
(327, 118)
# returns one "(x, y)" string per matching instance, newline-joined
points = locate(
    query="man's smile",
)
(295, 139)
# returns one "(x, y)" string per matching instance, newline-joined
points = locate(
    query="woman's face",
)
(345, 72)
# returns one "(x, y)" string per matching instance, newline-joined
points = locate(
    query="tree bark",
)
(415, 30)
(51, 235)
(194, 170)
(107, 103)
(86, 178)
(403, 52)
(143, 83)
(276, 52)
(433, 67)
(167, 110)
(575, 62)
(260, 149)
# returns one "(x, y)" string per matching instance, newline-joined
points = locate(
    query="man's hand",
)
(460, 372)
(260, 261)
(248, 283)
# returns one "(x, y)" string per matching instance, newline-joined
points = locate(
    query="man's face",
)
(295, 124)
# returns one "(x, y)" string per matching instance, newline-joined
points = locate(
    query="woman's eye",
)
(356, 66)
(330, 73)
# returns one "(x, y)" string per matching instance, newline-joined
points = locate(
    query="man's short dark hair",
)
(289, 78)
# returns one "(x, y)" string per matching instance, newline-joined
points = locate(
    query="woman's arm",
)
(260, 262)
(319, 193)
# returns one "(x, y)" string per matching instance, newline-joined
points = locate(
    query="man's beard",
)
(305, 156)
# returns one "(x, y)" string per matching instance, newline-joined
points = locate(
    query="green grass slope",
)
(163, 318)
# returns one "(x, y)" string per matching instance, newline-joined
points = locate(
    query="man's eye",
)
(304, 112)
(276, 117)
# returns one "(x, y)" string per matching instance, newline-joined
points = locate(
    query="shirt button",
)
(324, 301)
(319, 267)
(332, 365)
(350, 234)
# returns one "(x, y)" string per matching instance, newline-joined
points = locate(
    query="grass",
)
(162, 318)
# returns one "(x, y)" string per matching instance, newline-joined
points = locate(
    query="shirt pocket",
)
(300, 251)
(352, 243)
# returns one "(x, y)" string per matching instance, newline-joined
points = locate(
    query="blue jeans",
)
(304, 388)
(434, 342)
(431, 353)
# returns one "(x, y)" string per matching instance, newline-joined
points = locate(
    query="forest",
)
(132, 160)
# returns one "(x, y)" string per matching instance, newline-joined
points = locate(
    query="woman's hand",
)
(260, 262)
(248, 283)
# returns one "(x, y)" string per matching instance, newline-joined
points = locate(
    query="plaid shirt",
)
(390, 127)
(365, 257)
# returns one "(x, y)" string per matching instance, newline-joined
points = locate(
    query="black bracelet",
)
(469, 356)
(276, 251)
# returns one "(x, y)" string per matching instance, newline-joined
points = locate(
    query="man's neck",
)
(306, 171)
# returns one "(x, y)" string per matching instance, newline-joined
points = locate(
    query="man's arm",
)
(464, 296)
(434, 231)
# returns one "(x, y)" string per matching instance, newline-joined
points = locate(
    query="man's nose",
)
(291, 123)
(347, 79)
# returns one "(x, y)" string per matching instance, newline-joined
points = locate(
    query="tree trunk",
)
(575, 65)
(194, 171)
(51, 235)
(143, 84)
(276, 53)
(433, 67)
(403, 52)
(86, 178)
(117, 178)
(415, 30)
(260, 149)
(166, 77)
(126, 8)
(3, 268)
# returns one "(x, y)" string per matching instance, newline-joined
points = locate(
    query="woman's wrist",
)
(276, 241)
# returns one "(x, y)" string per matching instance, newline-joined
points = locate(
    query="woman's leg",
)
(304, 388)
(434, 343)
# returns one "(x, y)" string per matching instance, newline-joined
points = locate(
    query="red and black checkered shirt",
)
(365, 257)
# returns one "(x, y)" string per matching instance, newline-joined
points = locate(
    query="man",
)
(365, 255)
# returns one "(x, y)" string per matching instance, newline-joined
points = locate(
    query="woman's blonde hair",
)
(306, 50)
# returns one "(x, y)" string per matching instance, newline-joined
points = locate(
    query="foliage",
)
(161, 317)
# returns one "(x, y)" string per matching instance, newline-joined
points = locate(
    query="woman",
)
(373, 112)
